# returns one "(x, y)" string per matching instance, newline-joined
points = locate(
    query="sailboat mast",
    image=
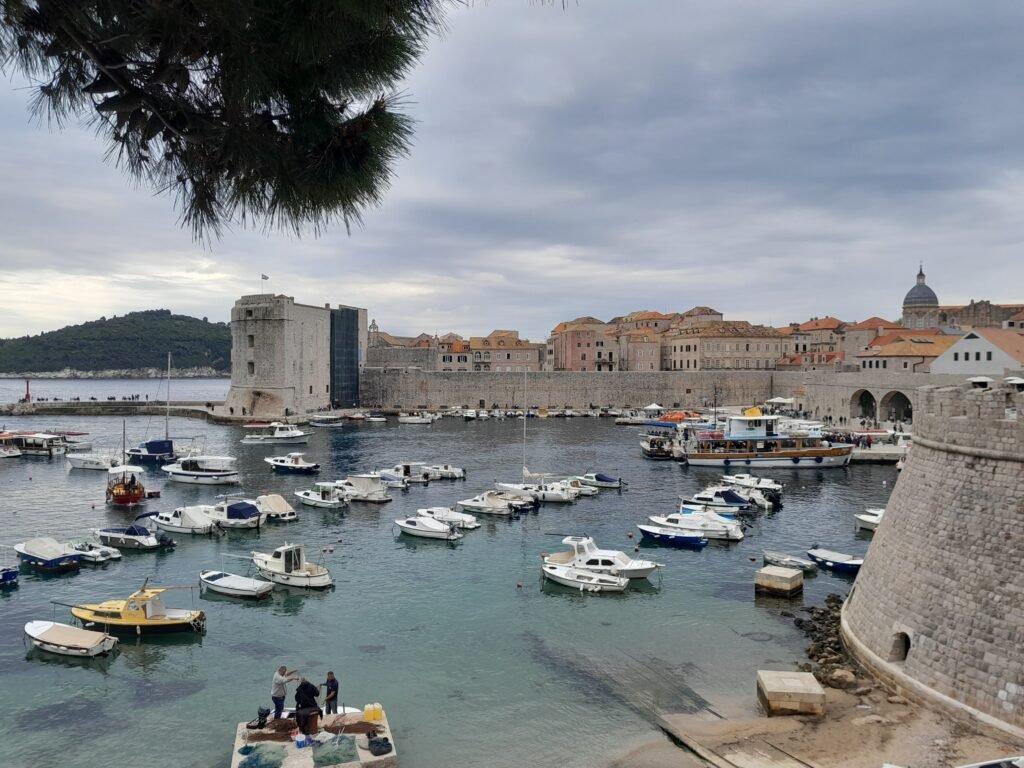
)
(167, 411)
(526, 412)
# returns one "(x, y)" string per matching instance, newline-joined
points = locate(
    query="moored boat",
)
(48, 555)
(657, 444)
(292, 463)
(584, 554)
(141, 613)
(868, 520)
(235, 512)
(276, 508)
(550, 492)
(327, 422)
(412, 471)
(66, 640)
(235, 586)
(750, 481)
(193, 520)
(323, 495)
(428, 528)
(785, 560)
(203, 470)
(447, 472)
(707, 523)
(376, 417)
(575, 484)
(584, 581)
(598, 480)
(676, 537)
(448, 515)
(92, 461)
(835, 561)
(498, 503)
(8, 576)
(717, 497)
(415, 418)
(124, 486)
(8, 450)
(135, 537)
(288, 565)
(367, 487)
(275, 433)
(94, 553)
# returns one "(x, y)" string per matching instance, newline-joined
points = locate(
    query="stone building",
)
(989, 351)
(938, 607)
(921, 309)
(723, 344)
(289, 358)
(576, 345)
(905, 352)
(505, 351)
(858, 337)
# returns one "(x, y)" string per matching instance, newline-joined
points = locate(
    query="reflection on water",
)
(472, 629)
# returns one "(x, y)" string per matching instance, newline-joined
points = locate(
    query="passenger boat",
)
(38, 443)
(93, 553)
(708, 524)
(48, 555)
(449, 516)
(753, 440)
(141, 613)
(124, 486)
(8, 450)
(412, 471)
(288, 565)
(275, 433)
(135, 537)
(192, 520)
(498, 503)
(598, 480)
(868, 520)
(584, 581)
(66, 640)
(365, 487)
(91, 461)
(203, 470)
(657, 445)
(447, 471)
(550, 492)
(676, 537)
(327, 422)
(292, 463)
(415, 418)
(235, 512)
(584, 554)
(750, 481)
(276, 508)
(323, 495)
(235, 586)
(835, 561)
(785, 560)
(428, 528)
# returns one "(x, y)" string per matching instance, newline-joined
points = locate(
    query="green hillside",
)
(135, 340)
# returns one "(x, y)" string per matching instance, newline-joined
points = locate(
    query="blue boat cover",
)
(731, 497)
(242, 510)
(158, 446)
(605, 479)
(131, 530)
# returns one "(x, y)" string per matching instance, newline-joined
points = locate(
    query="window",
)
(956, 357)
(327, 389)
(885, 363)
(905, 364)
(988, 355)
(583, 356)
(252, 368)
(463, 359)
(977, 355)
(248, 313)
(250, 341)
(311, 389)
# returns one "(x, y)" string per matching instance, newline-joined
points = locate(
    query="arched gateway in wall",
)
(895, 406)
(862, 405)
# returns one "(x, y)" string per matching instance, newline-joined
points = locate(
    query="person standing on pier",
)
(279, 688)
(330, 694)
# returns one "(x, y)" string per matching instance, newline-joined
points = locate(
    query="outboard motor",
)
(262, 714)
(774, 497)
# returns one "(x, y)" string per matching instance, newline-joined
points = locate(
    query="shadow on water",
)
(148, 693)
(100, 664)
(79, 716)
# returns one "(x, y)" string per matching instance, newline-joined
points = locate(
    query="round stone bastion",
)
(937, 610)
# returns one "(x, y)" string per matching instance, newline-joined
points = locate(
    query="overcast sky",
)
(776, 161)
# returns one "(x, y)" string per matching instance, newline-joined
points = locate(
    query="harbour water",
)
(476, 661)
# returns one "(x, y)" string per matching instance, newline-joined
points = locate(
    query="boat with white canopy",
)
(550, 492)
(203, 470)
(66, 640)
(192, 520)
(367, 487)
(276, 508)
(48, 555)
(584, 554)
(323, 495)
(498, 503)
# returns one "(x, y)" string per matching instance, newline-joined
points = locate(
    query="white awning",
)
(781, 401)
(654, 407)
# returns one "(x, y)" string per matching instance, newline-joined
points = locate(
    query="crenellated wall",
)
(938, 607)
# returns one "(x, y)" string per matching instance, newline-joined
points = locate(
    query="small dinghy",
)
(235, 586)
(676, 537)
(135, 537)
(323, 495)
(868, 520)
(785, 560)
(8, 577)
(598, 480)
(48, 555)
(428, 528)
(292, 463)
(835, 561)
(93, 553)
(584, 581)
(583, 554)
(66, 640)
(276, 508)
(448, 515)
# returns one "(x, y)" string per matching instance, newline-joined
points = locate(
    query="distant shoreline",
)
(126, 374)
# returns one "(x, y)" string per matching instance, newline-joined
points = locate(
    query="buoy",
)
(519, 585)
(629, 535)
(636, 549)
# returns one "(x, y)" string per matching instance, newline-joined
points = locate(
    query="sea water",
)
(476, 661)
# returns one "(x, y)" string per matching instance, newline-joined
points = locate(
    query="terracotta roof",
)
(889, 338)
(1010, 340)
(723, 328)
(821, 324)
(873, 324)
(786, 330)
(913, 345)
(1018, 316)
(700, 311)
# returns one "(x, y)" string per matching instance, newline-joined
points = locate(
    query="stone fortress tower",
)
(938, 607)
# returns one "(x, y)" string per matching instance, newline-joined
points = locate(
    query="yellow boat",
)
(141, 613)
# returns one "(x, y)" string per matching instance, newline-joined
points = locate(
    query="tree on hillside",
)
(246, 111)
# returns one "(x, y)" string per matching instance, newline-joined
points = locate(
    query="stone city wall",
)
(938, 607)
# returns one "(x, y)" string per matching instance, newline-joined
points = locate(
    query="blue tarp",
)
(242, 510)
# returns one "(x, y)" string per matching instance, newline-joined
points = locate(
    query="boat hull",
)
(780, 461)
(312, 501)
(319, 581)
(836, 565)
(427, 533)
(204, 478)
(555, 575)
(139, 630)
(241, 587)
(190, 529)
(35, 630)
(63, 564)
(673, 538)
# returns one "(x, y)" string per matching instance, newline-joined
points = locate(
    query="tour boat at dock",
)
(275, 433)
(66, 640)
(141, 613)
(657, 444)
(38, 443)
(753, 440)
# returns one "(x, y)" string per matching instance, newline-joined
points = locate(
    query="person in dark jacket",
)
(306, 710)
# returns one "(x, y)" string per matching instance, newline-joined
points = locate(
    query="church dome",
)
(921, 295)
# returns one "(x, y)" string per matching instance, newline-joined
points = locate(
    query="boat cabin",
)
(290, 558)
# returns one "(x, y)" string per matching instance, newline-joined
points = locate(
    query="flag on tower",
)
(264, 277)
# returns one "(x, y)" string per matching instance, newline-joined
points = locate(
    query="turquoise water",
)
(475, 660)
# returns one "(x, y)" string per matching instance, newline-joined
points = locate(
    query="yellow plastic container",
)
(378, 713)
(368, 712)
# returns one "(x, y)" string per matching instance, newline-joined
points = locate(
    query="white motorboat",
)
(415, 418)
(584, 581)
(323, 495)
(412, 471)
(292, 463)
(193, 520)
(751, 481)
(598, 480)
(447, 471)
(584, 554)
(497, 503)
(764, 498)
(327, 422)
(91, 461)
(785, 560)
(8, 449)
(203, 470)
(48, 555)
(469, 414)
(550, 492)
(288, 565)
(392, 481)
(448, 515)
(868, 520)
(835, 561)
(276, 508)
(235, 512)
(581, 488)
(365, 487)
(376, 418)
(707, 523)
(235, 586)
(717, 496)
(66, 640)
(357, 416)
(94, 553)
(428, 528)
(275, 433)
(136, 537)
